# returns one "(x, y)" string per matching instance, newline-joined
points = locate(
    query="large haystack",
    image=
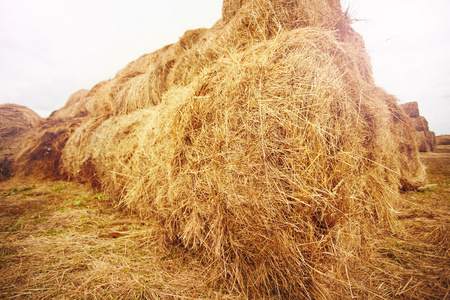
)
(261, 144)
(271, 154)
(15, 121)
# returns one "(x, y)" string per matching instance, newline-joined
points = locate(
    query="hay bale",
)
(431, 136)
(411, 109)
(41, 147)
(15, 121)
(272, 164)
(443, 139)
(420, 123)
(423, 144)
(262, 145)
(425, 139)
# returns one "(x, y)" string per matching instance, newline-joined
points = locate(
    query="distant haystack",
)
(15, 121)
(426, 139)
(261, 144)
(443, 139)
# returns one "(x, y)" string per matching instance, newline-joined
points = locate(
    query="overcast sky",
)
(49, 49)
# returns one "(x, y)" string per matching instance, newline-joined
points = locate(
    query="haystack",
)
(443, 139)
(260, 144)
(15, 121)
(425, 139)
(268, 150)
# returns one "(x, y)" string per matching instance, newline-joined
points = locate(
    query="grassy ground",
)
(416, 264)
(63, 240)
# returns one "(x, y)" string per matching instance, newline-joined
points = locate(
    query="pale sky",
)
(49, 49)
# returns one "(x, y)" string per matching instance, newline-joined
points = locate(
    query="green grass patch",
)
(19, 190)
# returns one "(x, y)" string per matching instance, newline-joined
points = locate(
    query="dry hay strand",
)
(274, 165)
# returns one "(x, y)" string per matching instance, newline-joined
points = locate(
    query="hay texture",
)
(15, 122)
(260, 144)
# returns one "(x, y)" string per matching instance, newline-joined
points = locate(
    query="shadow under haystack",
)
(260, 144)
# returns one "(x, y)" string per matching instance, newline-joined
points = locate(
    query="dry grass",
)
(60, 241)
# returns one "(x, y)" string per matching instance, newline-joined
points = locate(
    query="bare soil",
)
(64, 240)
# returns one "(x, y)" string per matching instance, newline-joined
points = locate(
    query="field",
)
(65, 240)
